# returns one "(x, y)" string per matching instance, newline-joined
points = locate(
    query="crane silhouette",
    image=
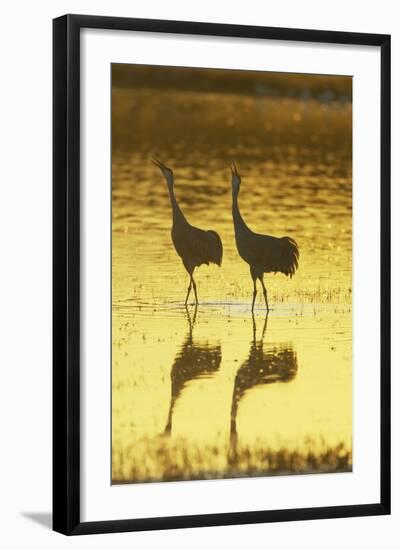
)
(195, 246)
(276, 364)
(264, 253)
(195, 360)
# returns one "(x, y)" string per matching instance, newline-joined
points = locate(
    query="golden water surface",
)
(213, 392)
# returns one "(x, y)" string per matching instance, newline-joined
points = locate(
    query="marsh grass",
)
(165, 459)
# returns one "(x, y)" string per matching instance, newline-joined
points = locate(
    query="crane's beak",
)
(158, 163)
(234, 170)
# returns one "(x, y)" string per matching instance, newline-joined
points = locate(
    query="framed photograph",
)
(221, 274)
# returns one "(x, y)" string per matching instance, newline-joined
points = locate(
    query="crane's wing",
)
(199, 246)
(214, 247)
(276, 254)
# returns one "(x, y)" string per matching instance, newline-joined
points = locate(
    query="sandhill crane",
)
(264, 253)
(195, 360)
(277, 363)
(195, 246)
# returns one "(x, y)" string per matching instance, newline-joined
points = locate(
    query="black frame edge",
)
(226, 30)
(385, 241)
(60, 507)
(236, 518)
(66, 274)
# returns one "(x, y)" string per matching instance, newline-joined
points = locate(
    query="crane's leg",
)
(254, 295)
(265, 293)
(188, 291)
(195, 289)
(254, 277)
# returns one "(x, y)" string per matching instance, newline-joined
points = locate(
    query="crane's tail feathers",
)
(215, 247)
(290, 256)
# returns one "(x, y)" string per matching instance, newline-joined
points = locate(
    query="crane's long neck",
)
(177, 214)
(238, 221)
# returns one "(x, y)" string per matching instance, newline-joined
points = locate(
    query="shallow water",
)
(207, 392)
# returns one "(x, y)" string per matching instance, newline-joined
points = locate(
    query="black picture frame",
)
(66, 273)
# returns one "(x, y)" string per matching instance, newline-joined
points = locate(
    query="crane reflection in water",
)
(195, 360)
(277, 363)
